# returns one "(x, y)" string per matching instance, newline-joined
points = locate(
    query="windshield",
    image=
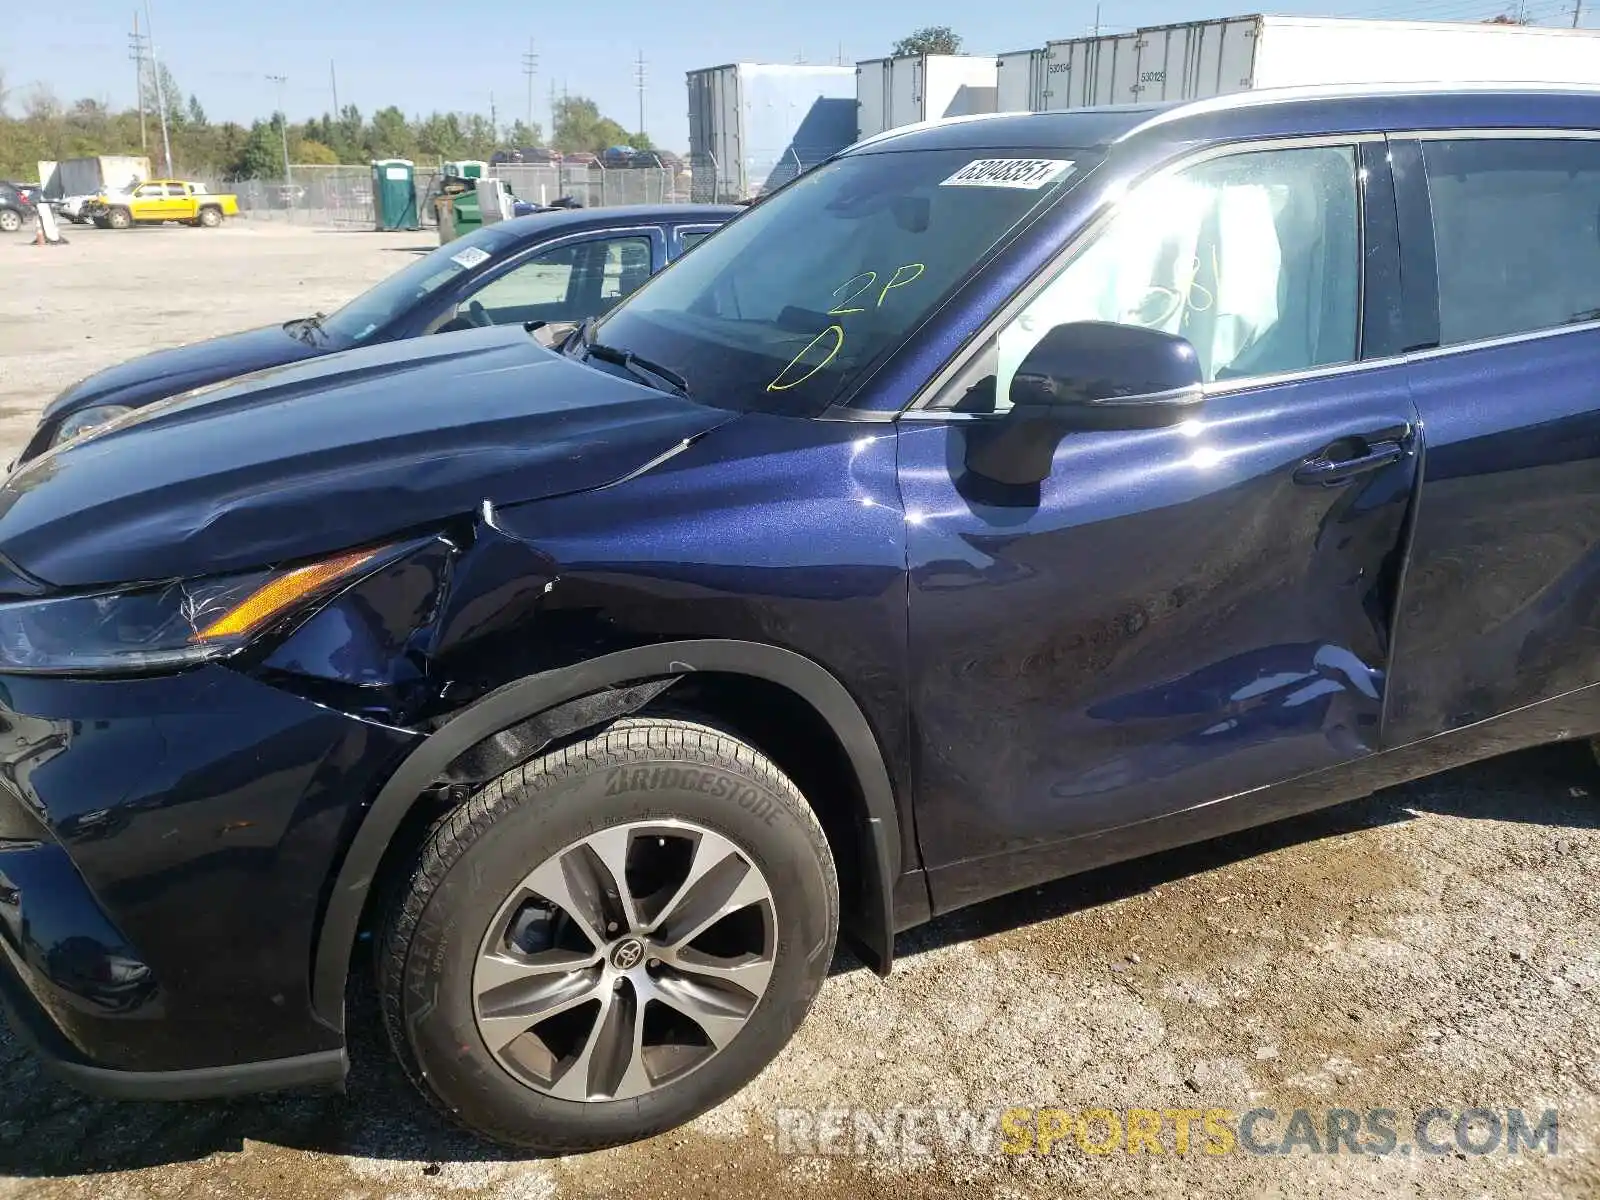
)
(376, 307)
(784, 309)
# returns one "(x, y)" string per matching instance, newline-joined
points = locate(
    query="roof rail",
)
(1312, 93)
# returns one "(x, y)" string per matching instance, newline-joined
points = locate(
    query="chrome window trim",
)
(1509, 133)
(1506, 339)
(1105, 210)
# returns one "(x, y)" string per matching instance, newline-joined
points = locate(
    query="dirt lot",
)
(1437, 945)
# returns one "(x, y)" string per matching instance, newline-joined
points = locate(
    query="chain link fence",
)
(728, 182)
(341, 196)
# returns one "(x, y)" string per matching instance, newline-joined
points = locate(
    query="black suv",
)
(16, 205)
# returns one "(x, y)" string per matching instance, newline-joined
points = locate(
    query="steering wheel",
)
(479, 315)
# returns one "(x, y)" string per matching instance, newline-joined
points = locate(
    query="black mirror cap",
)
(1083, 376)
(1101, 364)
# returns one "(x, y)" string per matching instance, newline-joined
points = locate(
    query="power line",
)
(161, 98)
(530, 68)
(639, 80)
(283, 125)
(136, 51)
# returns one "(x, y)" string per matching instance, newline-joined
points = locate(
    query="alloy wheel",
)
(625, 961)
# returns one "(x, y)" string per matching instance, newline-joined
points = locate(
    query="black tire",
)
(119, 218)
(479, 852)
(10, 220)
(211, 217)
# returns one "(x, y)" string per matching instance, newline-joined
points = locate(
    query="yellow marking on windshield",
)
(895, 280)
(836, 332)
(839, 310)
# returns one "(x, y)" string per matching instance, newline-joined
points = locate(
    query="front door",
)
(1180, 614)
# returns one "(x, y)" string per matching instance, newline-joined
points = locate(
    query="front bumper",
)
(166, 847)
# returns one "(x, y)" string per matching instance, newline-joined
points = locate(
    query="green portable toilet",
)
(458, 215)
(394, 194)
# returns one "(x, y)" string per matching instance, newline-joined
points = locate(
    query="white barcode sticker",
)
(470, 257)
(1030, 173)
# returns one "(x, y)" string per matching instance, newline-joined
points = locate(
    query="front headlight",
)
(86, 419)
(173, 625)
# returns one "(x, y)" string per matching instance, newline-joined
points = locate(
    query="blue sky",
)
(426, 56)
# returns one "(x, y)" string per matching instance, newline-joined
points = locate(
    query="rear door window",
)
(1517, 233)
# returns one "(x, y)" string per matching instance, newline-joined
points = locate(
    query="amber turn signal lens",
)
(279, 595)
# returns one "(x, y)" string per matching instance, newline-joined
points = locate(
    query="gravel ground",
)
(1434, 945)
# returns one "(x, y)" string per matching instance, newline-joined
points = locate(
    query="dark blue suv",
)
(999, 499)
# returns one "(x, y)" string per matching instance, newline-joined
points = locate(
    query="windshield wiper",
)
(641, 369)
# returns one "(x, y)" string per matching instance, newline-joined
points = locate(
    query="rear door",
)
(1181, 614)
(1502, 596)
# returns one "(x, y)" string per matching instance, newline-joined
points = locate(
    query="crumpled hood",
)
(168, 372)
(337, 452)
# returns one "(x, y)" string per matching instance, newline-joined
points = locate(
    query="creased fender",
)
(526, 697)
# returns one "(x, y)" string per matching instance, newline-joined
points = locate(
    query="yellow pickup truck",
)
(157, 200)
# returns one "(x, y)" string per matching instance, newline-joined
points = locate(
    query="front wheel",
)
(611, 940)
(10, 220)
(119, 218)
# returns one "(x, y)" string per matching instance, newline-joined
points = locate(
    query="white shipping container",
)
(86, 176)
(1200, 59)
(1022, 83)
(753, 126)
(891, 92)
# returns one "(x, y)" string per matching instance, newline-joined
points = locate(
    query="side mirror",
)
(1085, 375)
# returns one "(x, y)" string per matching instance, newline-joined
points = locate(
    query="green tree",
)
(261, 156)
(930, 39)
(196, 115)
(349, 135)
(390, 135)
(523, 134)
(169, 93)
(578, 125)
(479, 136)
(311, 151)
(441, 135)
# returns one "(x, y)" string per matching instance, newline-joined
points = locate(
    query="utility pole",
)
(283, 124)
(638, 80)
(530, 68)
(1577, 12)
(550, 138)
(161, 99)
(136, 42)
(333, 79)
(1096, 20)
(494, 119)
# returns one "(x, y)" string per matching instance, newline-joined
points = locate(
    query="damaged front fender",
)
(426, 634)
